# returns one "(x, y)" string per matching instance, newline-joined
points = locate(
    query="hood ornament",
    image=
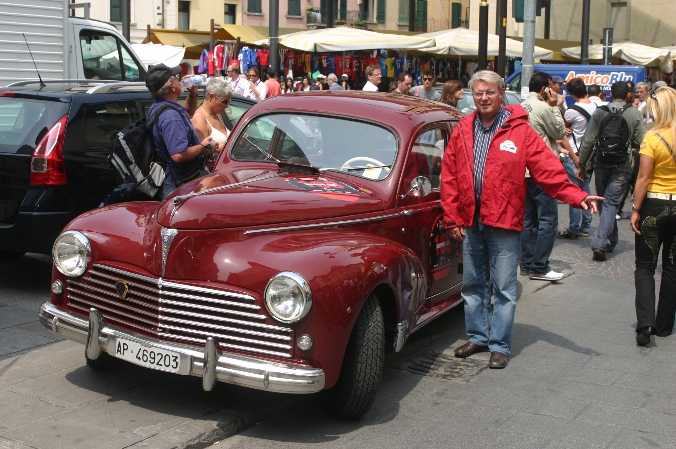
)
(168, 235)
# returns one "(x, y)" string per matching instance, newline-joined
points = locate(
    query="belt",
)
(661, 196)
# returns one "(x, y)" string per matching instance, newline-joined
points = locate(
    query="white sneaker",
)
(617, 217)
(551, 276)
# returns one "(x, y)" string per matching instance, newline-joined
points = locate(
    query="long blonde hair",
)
(663, 111)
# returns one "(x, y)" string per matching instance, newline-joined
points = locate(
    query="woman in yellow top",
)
(653, 219)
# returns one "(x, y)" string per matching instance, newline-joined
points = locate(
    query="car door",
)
(89, 140)
(422, 224)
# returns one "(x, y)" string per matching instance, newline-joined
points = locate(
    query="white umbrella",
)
(628, 51)
(349, 39)
(464, 42)
(151, 54)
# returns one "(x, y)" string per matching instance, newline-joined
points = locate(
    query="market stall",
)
(628, 51)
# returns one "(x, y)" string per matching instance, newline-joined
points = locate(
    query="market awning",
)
(628, 51)
(464, 42)
(249, 34)
(671, 49)
(193, 41)
(348, 39)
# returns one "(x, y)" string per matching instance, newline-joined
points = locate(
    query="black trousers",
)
(658, 231)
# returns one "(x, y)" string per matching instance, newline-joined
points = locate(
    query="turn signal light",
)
(47, 167)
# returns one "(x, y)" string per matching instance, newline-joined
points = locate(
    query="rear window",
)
(23, 122)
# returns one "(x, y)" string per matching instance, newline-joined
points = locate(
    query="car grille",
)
(174, 311)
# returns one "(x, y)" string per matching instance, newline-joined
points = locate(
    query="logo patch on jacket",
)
(508, 145)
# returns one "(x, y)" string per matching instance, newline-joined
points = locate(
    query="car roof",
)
(360, 104)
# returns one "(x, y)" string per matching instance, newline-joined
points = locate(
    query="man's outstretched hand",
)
(590, 203)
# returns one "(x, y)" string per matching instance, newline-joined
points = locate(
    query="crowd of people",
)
(506, 218)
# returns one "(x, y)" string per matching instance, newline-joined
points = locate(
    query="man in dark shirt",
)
(174, 135)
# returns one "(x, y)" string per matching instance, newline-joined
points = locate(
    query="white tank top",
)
(215, 134)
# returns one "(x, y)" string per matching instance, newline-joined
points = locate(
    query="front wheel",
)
(362, 367)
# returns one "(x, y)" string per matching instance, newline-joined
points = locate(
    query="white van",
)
(62, 47)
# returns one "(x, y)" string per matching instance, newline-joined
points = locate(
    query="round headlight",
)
(288, 297)
(71, 253)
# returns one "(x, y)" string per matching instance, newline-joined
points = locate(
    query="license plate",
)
(155, 358)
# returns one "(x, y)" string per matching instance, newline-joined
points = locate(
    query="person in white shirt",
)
(642, 90)
(238, 82)
(594, 92)
(576, 118)
(374, 76)
(257, 90)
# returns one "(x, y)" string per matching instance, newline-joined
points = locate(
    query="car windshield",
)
(327, 143)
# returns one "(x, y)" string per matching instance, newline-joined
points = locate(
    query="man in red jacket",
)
(483, 193)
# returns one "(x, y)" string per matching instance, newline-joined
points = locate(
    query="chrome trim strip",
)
(126, 273)
(232, 320)
(227, 337)
(227, 329)
(162, 283)
(215, 301)
(233, 369)
(93, 273)
(179, 200)
(167, 236)
(121, 303)
(191, 288)
(115, 310)
(430, 319)
(118, 312)
(201, 307)
(231, 346)
(320, 225)
(444, 291)
(117, 320)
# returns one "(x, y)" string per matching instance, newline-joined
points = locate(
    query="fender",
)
(343, 267)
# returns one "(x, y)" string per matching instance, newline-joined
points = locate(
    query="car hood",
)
(268, 198)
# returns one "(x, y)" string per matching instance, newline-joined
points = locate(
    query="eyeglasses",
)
(225, 102)
(377, 74)
(252, 74)
(488, 93)
(428, 79)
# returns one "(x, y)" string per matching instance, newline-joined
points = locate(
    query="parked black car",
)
(54, 147)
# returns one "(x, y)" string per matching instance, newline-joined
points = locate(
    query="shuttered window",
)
(343, 9)
(403, 11)
(116, 10)
(456, 14)
(254, 6)
(380, 13)
(294, 8)
(421, 15)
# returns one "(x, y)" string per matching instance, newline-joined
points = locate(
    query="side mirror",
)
(420, 187)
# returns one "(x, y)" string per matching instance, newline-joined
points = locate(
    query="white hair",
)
(487, 76)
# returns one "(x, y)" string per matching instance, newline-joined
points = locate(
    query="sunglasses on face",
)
(225, 102)
(428, 79)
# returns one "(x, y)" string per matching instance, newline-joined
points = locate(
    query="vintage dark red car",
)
(315, 243)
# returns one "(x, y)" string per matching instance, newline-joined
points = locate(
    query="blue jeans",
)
(168, 187)
(610, 184)
(540, 224)
(575, 213)
(490, 255)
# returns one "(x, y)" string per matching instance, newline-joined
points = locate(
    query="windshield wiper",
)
(262, 151)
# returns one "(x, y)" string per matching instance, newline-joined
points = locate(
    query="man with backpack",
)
(173, 134)
(577, 117)
(613, 133)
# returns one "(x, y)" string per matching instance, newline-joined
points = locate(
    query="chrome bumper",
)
(210, 365)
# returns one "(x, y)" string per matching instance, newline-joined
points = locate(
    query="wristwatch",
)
(633, 207)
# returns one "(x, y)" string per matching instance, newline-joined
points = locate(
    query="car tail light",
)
(6, 94)
(47, 166)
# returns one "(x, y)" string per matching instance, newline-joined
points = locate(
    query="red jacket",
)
(514, 147)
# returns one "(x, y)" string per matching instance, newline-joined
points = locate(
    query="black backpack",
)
(135, 157)
(612, 145)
